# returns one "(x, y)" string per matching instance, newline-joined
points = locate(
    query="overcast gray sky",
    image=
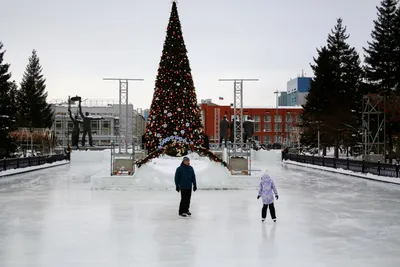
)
(81, 41)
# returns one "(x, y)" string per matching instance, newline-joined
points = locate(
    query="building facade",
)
(271, 125)
(296, 92)
(104, 130)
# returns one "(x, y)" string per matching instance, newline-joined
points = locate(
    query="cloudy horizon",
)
(81, 42)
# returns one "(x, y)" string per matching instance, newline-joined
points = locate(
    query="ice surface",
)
(51, 218)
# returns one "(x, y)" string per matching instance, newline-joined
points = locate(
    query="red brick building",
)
(270, 126)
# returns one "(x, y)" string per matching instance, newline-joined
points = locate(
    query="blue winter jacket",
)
(185, 177)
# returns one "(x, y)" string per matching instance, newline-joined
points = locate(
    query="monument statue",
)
(248, 127)
(87, 126)
(75, 121)
(223, 131)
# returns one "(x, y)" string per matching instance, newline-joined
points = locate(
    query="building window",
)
(106, 124)
(95, 126)
(267, 139)
(298, 118)
(278, 118)
(256, 138)
(278, 139)
(257, 118)
(257, 127)
(58, 125)
(105, 131)
(267, 118)
(278, 127)
(267, 127)
(289, 118)
(70, 125)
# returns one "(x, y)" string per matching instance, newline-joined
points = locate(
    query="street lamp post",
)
(276, 115)
(319, 144)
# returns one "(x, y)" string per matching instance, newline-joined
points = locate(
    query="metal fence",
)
(377, 168)
(16, 163)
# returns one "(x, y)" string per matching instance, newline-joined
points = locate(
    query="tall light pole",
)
(238, 109)
(123, 97)
(319, 145)
(319, 137)
(276, 114)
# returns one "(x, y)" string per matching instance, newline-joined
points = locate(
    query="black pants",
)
(184, 206)
(75, 139)
(271, 210)
(88, 132)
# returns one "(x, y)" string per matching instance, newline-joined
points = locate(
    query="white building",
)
(297, 90)
(103, 131)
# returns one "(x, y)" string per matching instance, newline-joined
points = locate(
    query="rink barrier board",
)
(32, 170)
(332, 170)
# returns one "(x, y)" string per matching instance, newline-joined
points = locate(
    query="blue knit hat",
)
(185, 159)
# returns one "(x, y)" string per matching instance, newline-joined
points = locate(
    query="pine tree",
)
(174, 114)
(334, 102)
(34, 111)
(7, 109)
(396, 37)
(380, 55)
(318, 104)
(347, 94)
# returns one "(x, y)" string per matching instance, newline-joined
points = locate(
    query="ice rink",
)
(51, 218)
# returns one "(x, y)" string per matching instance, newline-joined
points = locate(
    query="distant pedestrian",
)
(266, 191)
(185, 181)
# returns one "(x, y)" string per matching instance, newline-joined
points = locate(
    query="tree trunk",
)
(336, 149)
(390, 147)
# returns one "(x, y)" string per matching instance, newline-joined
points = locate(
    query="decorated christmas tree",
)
(174, 124)
(174, 112)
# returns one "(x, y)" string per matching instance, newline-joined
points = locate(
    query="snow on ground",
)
(330, 153)
(347, 172)
(33, 168)
(324, 220)
(169, 164)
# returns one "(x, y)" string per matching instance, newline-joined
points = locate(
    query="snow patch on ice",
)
(168, 164)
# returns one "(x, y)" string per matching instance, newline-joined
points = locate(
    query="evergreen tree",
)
(174, 116)
(334, 102)
(380, 58)
(318, 104)
(347, 94)
(7, 109)
(34, 111)
(396, 37)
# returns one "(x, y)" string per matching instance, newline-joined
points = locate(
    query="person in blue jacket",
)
(185, 181)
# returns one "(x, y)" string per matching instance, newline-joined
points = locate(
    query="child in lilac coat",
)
(267, 191)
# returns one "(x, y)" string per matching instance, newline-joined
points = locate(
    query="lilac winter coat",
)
(267, 189)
